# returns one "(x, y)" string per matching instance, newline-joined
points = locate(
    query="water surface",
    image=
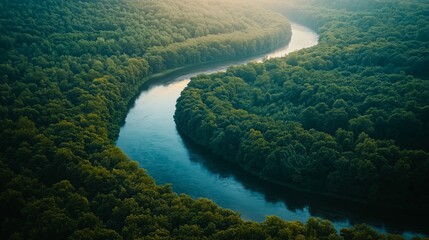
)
(150, 137)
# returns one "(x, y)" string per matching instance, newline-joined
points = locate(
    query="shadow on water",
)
(333, 209)
(150, 137)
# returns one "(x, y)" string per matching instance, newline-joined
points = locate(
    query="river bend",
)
(149, 136)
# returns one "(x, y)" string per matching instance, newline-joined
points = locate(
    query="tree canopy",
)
(348, 117)
(68, 70)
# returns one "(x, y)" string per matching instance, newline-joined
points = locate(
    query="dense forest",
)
(348, 118)
(68, 70)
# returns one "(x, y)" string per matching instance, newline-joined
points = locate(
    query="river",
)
(149, 136)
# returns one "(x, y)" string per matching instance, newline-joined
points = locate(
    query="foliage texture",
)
(349, 117)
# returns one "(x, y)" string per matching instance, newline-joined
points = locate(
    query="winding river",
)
(150, 137)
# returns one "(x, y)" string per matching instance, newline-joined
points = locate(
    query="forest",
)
(347, 118)
(68, 71)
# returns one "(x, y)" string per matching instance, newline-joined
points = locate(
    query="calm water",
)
(150, 137)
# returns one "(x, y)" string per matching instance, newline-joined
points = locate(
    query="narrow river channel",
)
(150, 137)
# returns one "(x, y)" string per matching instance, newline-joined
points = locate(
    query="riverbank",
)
(167, 75)
(150, 137)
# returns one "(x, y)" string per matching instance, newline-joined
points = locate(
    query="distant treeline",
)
(349, 117)
(68, 70)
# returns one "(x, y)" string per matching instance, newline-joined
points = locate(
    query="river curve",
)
(149, 136)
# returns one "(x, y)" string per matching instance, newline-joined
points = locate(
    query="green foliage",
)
(68, 70)
(345, 117)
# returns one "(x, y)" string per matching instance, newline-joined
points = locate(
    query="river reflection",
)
(342, 213)
(150, 137)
